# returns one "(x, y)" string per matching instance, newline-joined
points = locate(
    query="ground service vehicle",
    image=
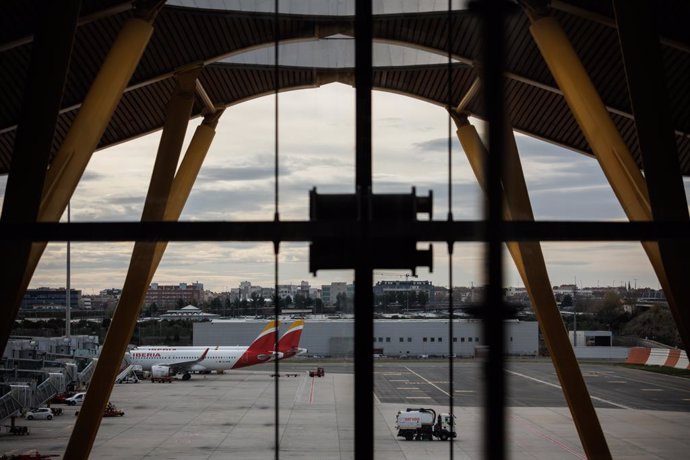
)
(318, 372)
(40, 413)
(424, 424)
(112, 411)
(75, 400)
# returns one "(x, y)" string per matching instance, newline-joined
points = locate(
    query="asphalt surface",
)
(530, 383)
(645, 416)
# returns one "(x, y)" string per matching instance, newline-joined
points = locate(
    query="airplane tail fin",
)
(289, 342)
(265, 342)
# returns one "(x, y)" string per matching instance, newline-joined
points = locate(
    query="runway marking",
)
(427, 381)
(392, 373)
(407, 388)
(651, 389)
(404, 380)
(417, 397)
(465, 391)
(311, 392)
(376, 399)
(596, 398)
(616, 381)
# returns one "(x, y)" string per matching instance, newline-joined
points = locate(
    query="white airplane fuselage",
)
(215, 360)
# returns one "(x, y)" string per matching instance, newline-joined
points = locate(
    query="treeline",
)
(620, 315)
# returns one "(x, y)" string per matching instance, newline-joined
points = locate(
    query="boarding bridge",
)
(125, 372)
(85, 375)
(12, 402)
(49, 388)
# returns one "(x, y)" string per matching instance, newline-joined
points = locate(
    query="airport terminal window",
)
(401, 339)
(462, 339)
(409, 339)
(388, 339)
(469, 339)
(455, 339)
(440, 339)
(476, 339)
(433, 340)
(380, 339)
(423, 339)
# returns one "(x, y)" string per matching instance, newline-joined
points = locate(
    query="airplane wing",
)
(182, 365)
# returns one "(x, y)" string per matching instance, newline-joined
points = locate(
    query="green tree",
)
(656, 323)
(181, 303)
(567, 301)
(341, 301)
(216, 305)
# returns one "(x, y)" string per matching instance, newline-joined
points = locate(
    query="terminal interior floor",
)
(644, 415)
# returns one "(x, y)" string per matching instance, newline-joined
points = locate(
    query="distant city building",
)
(50, 298)
(170, 295)
(330, 292)
(190, 312)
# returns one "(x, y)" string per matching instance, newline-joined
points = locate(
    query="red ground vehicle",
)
(112, 411)
(60, 398)
(319, 372)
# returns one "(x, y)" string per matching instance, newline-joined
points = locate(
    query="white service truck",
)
(424, 424)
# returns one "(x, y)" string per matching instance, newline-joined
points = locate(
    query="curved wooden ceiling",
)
(189, 36)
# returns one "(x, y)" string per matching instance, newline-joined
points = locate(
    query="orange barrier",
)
(667, 357)
(673, 357)
(638, 355)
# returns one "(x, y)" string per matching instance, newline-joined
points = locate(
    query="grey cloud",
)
(434, 145)
(89, 176)
(232, 173)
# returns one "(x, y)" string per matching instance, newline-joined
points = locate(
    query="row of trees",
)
(609, 313)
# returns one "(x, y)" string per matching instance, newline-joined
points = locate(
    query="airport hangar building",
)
(392, 337)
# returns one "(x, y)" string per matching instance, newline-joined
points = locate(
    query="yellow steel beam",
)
(590, 112)
(529, 261)
(136, 283)
(185, 178)
(88, 127)
(613, 155)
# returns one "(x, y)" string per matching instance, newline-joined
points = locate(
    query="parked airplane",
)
(163, 362)
(288, 345)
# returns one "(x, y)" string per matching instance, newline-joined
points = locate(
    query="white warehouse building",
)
(409, 337)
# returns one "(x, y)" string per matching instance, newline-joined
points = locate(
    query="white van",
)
(76, 400)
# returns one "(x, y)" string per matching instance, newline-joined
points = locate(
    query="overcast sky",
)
(317, 150)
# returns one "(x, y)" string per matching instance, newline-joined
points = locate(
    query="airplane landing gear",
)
(186, 376)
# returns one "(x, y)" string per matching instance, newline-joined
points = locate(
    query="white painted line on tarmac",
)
(427, 381)
(651, 389)
(407, 388)
(376, 399)
(403, 380)
(392, 373)
(616, 381)
(465, 391)
(596, 398)
(417, 397)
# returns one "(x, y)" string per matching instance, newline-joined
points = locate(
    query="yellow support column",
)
(529, 261)
(90, 123)
(185, 178)
(137, 280)
(613, 155)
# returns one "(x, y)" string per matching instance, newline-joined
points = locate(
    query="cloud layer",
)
(316, 149)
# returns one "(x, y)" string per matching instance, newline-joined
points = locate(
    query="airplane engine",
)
(158, 372)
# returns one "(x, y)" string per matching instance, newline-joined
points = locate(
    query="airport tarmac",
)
(644, 415)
